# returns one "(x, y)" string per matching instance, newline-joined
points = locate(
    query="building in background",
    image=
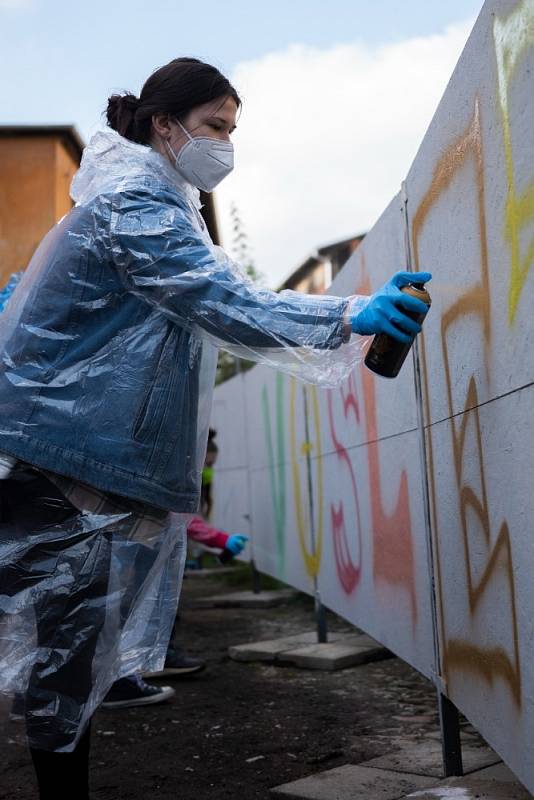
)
(316, 274)
(37, 164)
(36, 167)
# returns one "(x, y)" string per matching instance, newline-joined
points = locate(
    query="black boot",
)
(58, 773)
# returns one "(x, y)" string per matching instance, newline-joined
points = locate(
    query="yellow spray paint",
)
(513, 35)
(312, 557)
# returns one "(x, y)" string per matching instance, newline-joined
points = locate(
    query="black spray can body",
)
(225, 556)
(387, 355)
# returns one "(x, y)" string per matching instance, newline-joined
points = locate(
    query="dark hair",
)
(212, 445)
(176, 88)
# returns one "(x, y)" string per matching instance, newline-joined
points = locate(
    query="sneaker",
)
(178, 663)
(133, 691)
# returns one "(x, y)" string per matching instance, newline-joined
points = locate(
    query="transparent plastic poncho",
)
(108, 351)
(89, 588)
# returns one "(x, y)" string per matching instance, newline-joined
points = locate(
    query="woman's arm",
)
(200, 531)
(164, 260)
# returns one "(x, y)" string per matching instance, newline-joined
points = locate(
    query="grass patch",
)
(241, 575)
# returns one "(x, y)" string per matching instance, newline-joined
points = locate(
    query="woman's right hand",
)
(388, 310)
(236, 543)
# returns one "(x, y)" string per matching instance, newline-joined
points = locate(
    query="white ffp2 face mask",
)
(203, 161)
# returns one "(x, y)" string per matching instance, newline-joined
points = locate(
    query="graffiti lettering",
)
(513, 35)
(349, 573)
(277, 466)
(476, 300)
(311, 556)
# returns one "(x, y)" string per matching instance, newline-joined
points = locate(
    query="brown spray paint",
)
(393, 552)
(460, 654)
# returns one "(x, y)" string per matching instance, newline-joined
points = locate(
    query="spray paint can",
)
(386, 354)
(225, 556)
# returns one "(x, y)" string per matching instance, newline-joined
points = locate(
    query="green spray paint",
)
(277, 467)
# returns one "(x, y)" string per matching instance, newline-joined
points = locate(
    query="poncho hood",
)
(111, 163)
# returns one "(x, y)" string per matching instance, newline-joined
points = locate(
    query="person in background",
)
(9, 288)
(212, 452)
(133, 690)
(230, 545)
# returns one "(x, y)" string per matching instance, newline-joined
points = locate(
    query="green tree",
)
(229, 365)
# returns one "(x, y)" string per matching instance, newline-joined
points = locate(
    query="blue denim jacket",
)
(109, 341)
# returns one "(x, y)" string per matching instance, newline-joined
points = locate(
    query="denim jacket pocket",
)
(162, 413)
(147, 418)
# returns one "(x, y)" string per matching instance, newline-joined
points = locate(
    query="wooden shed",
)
(37, 163)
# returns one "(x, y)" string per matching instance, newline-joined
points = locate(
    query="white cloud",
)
(325, 138)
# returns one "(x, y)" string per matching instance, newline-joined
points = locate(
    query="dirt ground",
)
(237, 730)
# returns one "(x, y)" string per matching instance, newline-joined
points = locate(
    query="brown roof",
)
(68, 133)
(316, 258)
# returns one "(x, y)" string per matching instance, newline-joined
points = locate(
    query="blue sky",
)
(59, 60)
(386, 62)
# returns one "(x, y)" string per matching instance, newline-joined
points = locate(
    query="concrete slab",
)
(498, 772)
(424, 758)
(469, 788)
(332, 655)
(358, 639)
(246, 599)
(270, 649)
(302, 650)
(352, 782)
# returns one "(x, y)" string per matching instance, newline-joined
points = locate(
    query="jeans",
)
(61, 676)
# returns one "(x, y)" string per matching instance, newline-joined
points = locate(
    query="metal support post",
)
(449, 722)
(256, 578)
(448, 713)
(320, 618)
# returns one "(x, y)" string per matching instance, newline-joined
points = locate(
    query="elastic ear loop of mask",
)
(170, 150)
(184, 130)
(167, 145)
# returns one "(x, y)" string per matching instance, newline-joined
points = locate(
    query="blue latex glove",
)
(9, 288)
(386, 310)
(236, 543)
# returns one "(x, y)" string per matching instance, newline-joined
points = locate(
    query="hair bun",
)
(130, 101)
(120, 113)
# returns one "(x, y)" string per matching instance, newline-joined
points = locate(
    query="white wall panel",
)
(465, 213)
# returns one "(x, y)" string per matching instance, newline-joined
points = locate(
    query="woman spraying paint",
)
(108, 351)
